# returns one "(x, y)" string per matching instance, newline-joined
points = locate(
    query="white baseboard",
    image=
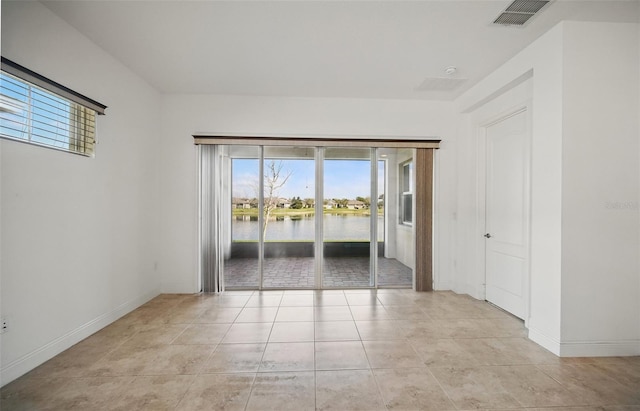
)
(459, 288)
(441, 285)
(586, 348)
(545, 341)
(600, 348)
(464, 288)
(27, 362)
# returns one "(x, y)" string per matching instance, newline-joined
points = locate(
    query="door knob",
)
(487, 235)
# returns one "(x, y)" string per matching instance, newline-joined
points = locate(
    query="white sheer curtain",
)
(211, 213)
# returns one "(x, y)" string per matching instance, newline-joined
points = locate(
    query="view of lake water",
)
(336, 227)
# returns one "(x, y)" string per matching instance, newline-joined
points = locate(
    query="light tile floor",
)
(323, 350)
(299, 272)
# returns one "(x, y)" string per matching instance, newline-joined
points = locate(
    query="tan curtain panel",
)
(82, 130)
(424, 219)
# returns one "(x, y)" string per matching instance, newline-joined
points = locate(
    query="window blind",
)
(45, 116)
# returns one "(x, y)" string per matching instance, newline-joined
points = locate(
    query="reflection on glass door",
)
(347, 216)
(288, 222)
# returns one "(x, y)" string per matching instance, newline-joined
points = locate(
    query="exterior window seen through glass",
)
(406, 198)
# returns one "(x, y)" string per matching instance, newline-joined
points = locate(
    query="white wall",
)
(78, 233)
(600, 167)
(185, 115)
(584, 261)
(544, 57)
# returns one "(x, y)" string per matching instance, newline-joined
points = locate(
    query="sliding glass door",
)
(348, 216)
(313, 217)
(288, 225)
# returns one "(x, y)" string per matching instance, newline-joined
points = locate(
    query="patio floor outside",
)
(298, 272)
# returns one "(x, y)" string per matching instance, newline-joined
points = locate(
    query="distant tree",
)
(309, 202)
(296, 203)
(342, 203)
(274, 179)
(365, 200)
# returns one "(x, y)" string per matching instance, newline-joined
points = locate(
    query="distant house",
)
(355, 205)
(240, 203)
(329, 204)
(283, 203)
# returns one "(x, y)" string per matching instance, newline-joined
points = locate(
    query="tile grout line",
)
(315, 364)
(255, 374)
(442, 388)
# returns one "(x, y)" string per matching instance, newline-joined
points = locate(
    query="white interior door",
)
(507, 214)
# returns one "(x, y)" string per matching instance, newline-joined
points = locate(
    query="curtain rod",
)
(204, 139)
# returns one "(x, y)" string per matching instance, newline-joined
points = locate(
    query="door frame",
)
(481, 201)
(204, 186)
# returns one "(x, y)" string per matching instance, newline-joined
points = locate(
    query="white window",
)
(406, 195)
(45, 115)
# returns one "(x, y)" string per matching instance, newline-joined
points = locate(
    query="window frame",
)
(406, 192)
(45, 113)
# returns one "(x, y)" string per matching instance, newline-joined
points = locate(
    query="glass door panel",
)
(288, 217)
(242, 236)
(396, 245)
(363, 219)
(381, 171)
(347, 228)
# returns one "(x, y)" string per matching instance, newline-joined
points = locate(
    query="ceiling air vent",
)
(519, 12)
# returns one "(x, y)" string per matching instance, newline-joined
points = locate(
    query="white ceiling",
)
(360, 49)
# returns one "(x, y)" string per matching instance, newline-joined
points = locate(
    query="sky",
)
(342, 178)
